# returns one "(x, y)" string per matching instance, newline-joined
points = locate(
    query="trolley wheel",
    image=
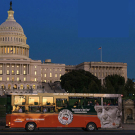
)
(91, 126)
(30, 126)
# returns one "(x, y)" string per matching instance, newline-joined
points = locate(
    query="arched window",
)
(15, 86)
(2, 86)
(9, 86)
(28, 87)
(34, 86)
(21, 87)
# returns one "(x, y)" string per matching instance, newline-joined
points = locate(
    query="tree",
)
(114, 84)
(78, 79)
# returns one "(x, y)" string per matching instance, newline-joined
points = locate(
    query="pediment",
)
(129, 102)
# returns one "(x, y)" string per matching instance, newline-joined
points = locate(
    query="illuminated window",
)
(24, 66)
(5, 50)
(34, 87)
(0, 78)
(35, 66)
(24, 72)
(9, 86)
(17, 78)
(14, 50)
(50, 74)
(60, 75)
(28, 87)
(21, 87)
(8, 49)
(44, 80)
(12, 65)
(2, 50)
(0, 71)
(12, 72)
(45, 69)
(24, 78)
(41, 75)
(7, 78)
(35, 72)
(17, 72)
(33, 100)
(11, 51)
(35, 79)
(7, 65)
(55, 75)
(17, 66)
(17, 50)
(50, 69)
(47, 100)
(45, 75)
(60, 69)
(0, 65)
(12, 78)
(7, 72)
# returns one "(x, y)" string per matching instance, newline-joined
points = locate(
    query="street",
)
(67, 132)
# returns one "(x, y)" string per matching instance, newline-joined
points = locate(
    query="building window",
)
(45, 69)
(34, 87)
(12, 65)
(45, 75)
(41, 75)
(44, 80)
(55, 75)
(28, 87)
(17, 66)
(24, 66)
(17, 72)
(7, 78)
(21, 87)
(55, 69)
(0, 78)
(5, 50)
(8, 49)
(7, 72)
(12, 78)
(0, 71)
(0, 65)
(35, 66)
(24, 78)
(24, 72)
(50, 69)
(2, 50)
(35, 72)
(7, 65)
(17, 50)
(60, 75)
(50, 74)
(35, 79)
(12, 72)
(14, 50)
(17, 78)
(60, 69)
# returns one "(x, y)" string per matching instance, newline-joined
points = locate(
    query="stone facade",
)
(101, 69)
(129, 111)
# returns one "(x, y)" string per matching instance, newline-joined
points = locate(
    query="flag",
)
(99, 48)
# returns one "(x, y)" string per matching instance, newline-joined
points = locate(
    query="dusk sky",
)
(71, 31)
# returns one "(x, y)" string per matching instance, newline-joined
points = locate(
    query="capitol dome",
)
(12, 38)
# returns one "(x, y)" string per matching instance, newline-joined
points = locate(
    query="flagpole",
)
(101, 53)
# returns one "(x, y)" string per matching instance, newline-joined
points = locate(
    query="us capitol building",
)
(19, 73)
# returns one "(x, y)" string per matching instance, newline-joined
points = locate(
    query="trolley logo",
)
(65, 116)
(80, 110)
(18, 120)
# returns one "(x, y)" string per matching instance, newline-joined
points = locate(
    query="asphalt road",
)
(67, 132)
